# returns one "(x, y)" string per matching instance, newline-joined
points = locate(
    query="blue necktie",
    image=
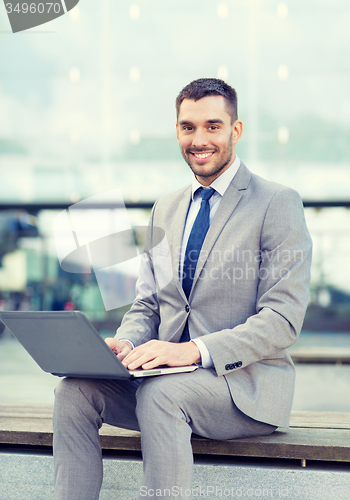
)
(195, 241)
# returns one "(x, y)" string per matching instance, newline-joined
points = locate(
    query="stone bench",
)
(337, 355)
(320, 436)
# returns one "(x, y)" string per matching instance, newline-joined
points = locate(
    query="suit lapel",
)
(227, 206)
(176, 232)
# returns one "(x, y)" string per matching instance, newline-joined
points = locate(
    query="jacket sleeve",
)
(140, 324)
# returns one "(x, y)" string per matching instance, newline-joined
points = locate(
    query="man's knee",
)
(67, 387)
(75, 402)
(63, 389)
(158, 395)
(65, 394)
(72, 394)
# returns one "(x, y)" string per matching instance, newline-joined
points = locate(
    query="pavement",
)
(25, 476)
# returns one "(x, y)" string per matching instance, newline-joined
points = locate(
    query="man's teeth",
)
(202, 155)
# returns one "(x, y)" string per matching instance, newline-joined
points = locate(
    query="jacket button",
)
(227, 367)
(187, 308)
(239, 364)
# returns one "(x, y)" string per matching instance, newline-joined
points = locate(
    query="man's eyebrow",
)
(213, 120)
(185, 122)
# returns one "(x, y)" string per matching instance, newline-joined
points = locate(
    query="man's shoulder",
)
(258, 188)
(170, 199)
(271, 188)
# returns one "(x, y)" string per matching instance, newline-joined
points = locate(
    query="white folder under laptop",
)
(66, 344)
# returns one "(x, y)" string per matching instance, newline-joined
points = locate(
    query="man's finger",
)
(120, 348)
(123, 353)
(152, 364)
(138, 361)
(138, 352)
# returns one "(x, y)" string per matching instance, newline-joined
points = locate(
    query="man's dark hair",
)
(205, 87)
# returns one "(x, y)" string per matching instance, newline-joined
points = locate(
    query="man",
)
(240, 256)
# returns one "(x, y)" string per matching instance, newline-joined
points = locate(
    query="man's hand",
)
(119, 347)
(158, 352)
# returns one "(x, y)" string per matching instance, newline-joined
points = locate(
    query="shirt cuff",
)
(127, 340)
(207, 361)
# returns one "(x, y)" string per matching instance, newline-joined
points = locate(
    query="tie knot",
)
(206, 193)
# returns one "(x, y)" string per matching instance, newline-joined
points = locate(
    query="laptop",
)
(66, 344)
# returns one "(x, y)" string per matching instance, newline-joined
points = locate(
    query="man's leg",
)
(81, 406)
(169, 409)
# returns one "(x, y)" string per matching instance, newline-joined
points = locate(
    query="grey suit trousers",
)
(165, 409)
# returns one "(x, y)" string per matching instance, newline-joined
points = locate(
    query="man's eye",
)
(187, 127)
(213, 127)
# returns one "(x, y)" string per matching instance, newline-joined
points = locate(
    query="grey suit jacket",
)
(249, 294)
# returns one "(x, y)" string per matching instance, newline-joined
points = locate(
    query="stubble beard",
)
(218, 166)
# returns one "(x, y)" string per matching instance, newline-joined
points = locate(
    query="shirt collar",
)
(222, 182)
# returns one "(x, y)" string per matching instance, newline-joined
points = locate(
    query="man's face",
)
(207, 137)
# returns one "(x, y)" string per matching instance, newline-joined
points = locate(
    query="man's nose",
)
(200, 138)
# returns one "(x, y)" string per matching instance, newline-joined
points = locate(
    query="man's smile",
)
(202, 156)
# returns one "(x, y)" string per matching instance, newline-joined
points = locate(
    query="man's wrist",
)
(196, 352)
(206, 359)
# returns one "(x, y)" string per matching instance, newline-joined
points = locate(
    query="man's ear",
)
(237, 129)
(177, 131)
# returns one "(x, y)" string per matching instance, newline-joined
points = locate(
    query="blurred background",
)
(87, 105)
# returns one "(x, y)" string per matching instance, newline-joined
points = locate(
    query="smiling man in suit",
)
(239, 256)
